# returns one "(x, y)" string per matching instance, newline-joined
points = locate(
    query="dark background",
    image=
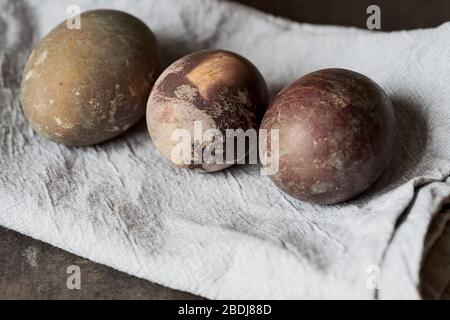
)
(395, 14)
(30, 269)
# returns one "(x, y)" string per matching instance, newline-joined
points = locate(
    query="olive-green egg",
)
(85, 86)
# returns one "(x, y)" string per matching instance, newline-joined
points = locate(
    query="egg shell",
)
(337, 131)
(88, 85)
(218, 88)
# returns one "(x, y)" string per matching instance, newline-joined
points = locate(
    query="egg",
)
(84, 86)
(336, 132)
(208, 91)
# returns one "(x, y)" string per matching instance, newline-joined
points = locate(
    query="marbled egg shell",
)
(219, 89)
(337, 130)
(88, 85)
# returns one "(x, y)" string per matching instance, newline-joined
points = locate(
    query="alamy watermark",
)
(74, 280)
(374, 20)
(73, 21)
(374, 277)
(213, 147)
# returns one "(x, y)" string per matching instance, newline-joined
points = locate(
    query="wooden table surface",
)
(31, 269)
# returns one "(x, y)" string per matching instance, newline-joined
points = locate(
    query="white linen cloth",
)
(233, 234)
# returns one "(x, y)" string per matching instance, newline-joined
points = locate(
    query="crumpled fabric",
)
(233, 234)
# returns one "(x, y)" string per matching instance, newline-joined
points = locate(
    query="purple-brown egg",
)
(220, 90)
(337, 130)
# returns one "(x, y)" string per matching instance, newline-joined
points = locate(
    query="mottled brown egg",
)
(88, 85)
(337, 130)
(217, 89)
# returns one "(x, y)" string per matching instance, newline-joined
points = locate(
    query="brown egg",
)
(337, 130)
(85, 86)
(218, 89)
